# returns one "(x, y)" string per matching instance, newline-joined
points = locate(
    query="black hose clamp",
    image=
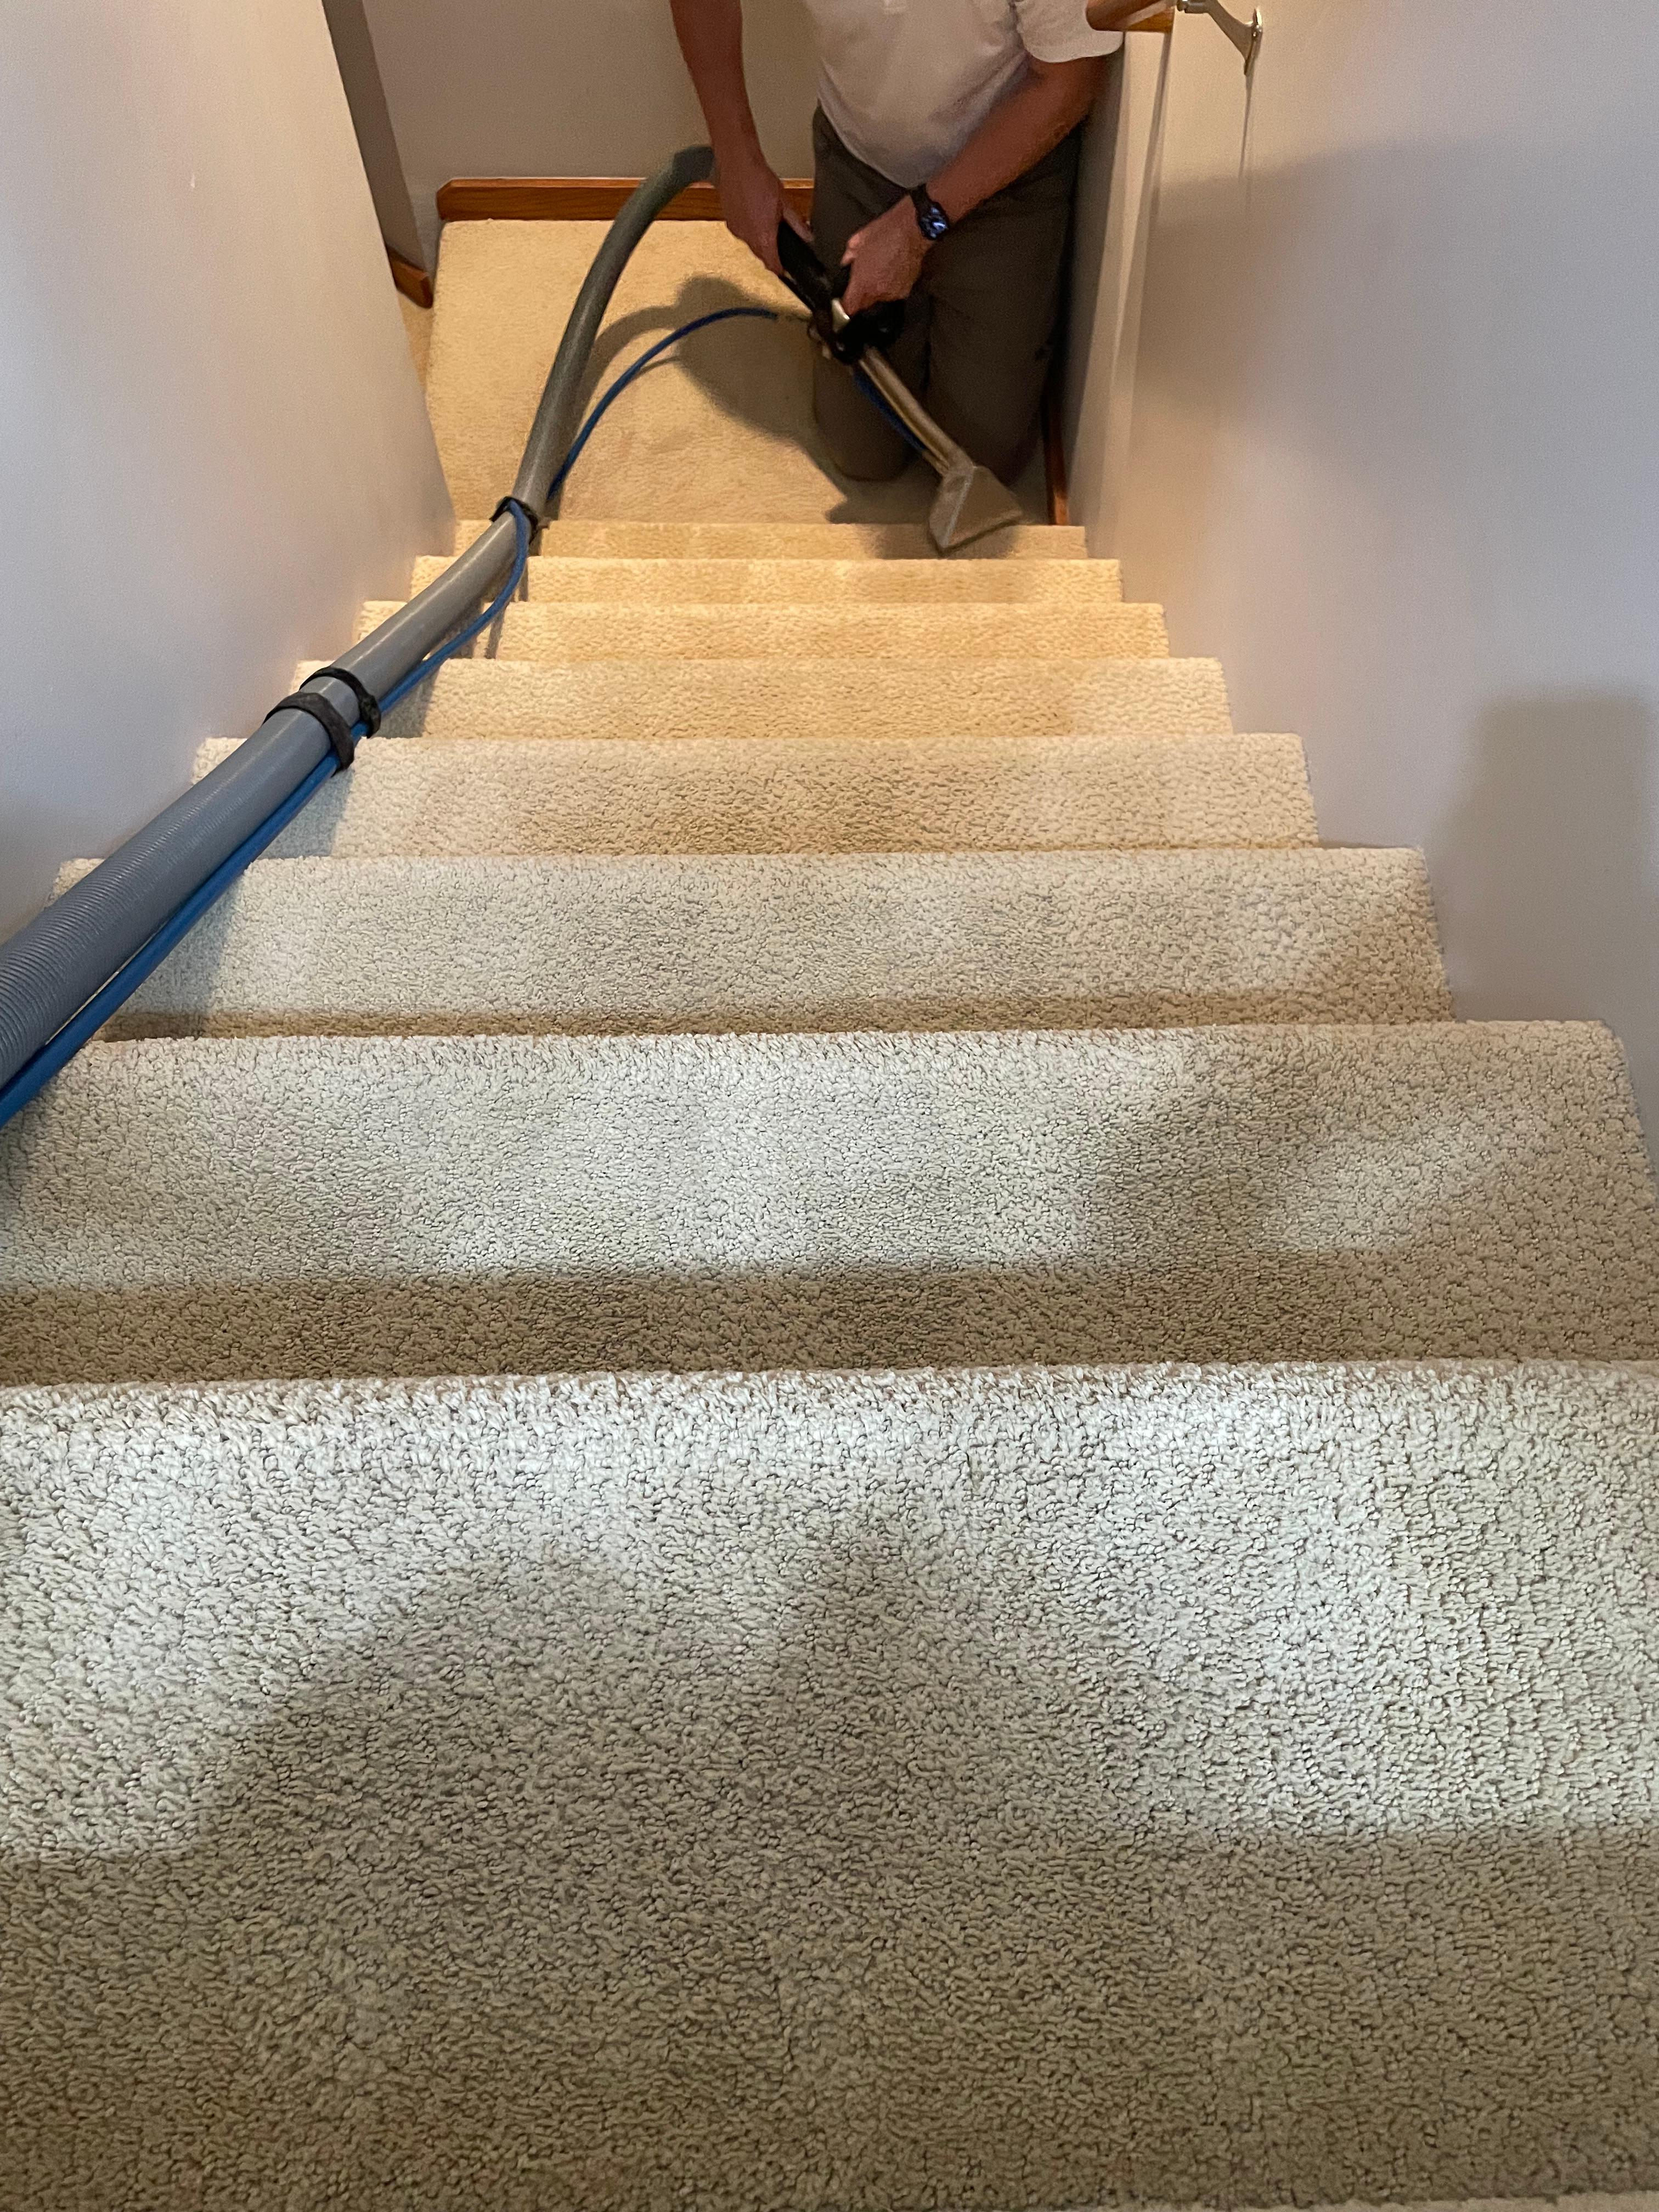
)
(333, 721)
(340, 734)
(513, 505)
(368, 707)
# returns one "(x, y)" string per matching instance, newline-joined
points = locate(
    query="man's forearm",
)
(1052, 100)
(752, 199)
(710, 33)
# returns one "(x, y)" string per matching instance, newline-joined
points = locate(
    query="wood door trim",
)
(1054, 456)
(414, 283)
(581, 199)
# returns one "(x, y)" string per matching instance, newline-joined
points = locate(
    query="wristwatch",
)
(930, 216)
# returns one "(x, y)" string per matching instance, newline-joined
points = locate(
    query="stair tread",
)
(801, 541)
(795, 581)
(693, 1688)
(909, 941)
(207, 1208)
(428, 795)
(545, 630)
(662, 699)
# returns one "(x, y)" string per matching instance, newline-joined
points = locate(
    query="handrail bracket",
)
(1247, 37)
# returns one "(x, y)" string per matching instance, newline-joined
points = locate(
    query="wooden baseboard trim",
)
(414, 283)
(1053, 458)
(581, 199)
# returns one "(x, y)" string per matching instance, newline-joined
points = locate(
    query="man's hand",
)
(885, 258)
(753, 203)
(752, 197)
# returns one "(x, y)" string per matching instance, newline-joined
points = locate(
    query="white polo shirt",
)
(907, 83)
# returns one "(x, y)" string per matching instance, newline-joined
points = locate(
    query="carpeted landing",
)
(1030, 1578)
(726, 433)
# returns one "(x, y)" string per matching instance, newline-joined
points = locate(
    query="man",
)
(946, 148)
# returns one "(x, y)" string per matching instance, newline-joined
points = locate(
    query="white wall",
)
(570, 88)
(1116, 193)
(1395, 454)
(212, 441)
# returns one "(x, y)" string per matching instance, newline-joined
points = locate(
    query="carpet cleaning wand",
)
(970, 502)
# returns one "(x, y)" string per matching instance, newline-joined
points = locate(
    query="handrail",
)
(1131, 14)
(75, 952)
(1160, 15)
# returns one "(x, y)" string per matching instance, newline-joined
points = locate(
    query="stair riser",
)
(647, 632)
(779, 944)
(437, 1205)
(787, 541)
(659, 1751)
(771, 796)
(667, 700)
(1082, 584)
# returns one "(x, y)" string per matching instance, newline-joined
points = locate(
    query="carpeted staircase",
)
(794, 1431)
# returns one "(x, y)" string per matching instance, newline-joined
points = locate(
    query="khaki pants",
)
(979, 329)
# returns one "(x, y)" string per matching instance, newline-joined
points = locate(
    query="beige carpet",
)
(793, 541)
(823, 1693)
(648, 631)
(418, 325)
(314, 1206)
(438, 798)
(813, 1791)
(805, 942)
(725, 432)
(784, 698)
(804, 581)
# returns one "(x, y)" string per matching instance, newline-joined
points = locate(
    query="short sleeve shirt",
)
(906, 83)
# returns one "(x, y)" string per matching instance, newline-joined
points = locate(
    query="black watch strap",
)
(931, 217)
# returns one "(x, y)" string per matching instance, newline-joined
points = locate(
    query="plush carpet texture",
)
(781, 698)
(979, 1790)
(842, 941)
(722, 430)
(931, 583)
(804, 1713)
(328, 1206)
(790, 541)
(417, 324)
(646, 630)
(805, 795)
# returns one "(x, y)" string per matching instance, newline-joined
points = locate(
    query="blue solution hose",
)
(52, 1057)
(881, 407)
(639, 368)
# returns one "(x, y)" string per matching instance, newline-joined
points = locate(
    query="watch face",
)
(930, 214)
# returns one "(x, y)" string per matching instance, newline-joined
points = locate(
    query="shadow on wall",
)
(1111, 239)
(558, 1893)
(1549, 865)
(1359, 477)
